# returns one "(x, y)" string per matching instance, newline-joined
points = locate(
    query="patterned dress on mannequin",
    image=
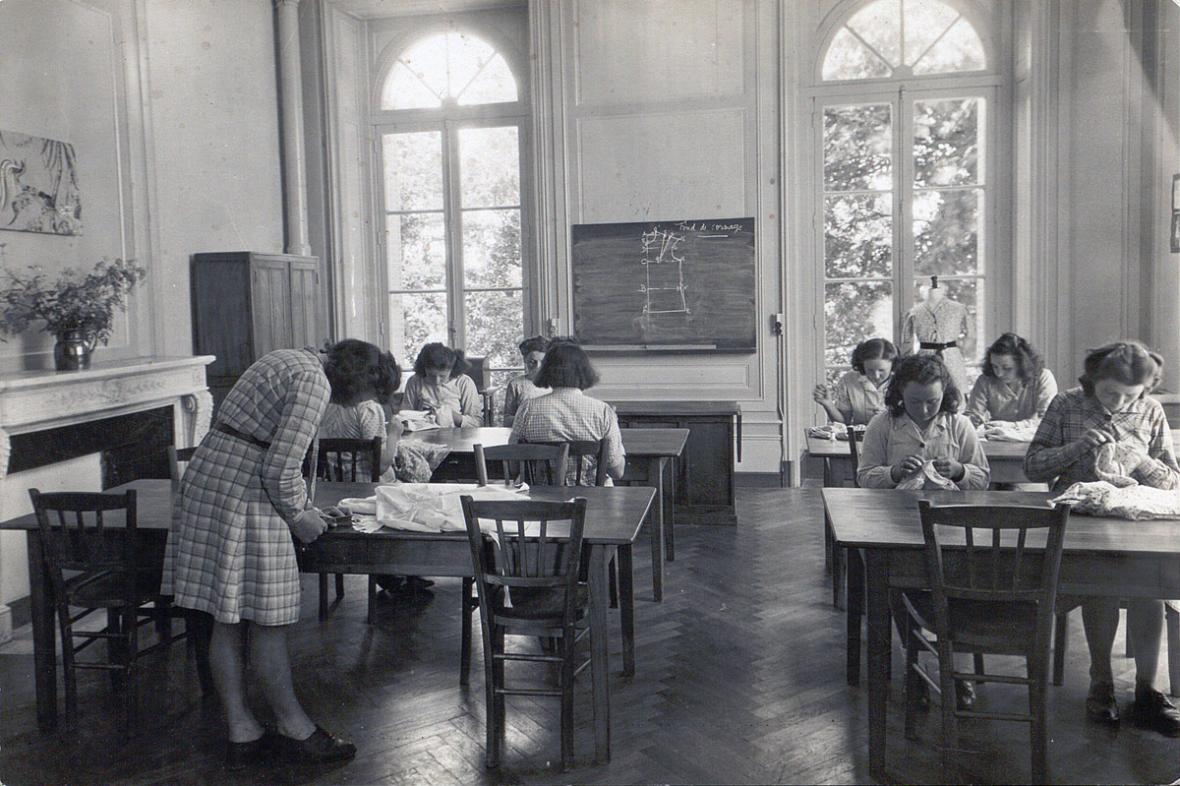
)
(944, 322)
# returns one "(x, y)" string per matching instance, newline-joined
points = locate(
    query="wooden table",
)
(654, 449)
(614, 516)
(1102, 556)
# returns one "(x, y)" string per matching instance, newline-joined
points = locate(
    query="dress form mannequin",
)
(935, 327)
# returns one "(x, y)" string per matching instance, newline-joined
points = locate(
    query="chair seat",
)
(1000, 628)
(541, 605)
(104, 589)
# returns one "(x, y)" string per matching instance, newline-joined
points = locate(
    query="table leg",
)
(655, 468)
(44, 639)
(599, 665)
(669, 525)
(827, 522)
(855, 610)
(880, 634)
(627, 609)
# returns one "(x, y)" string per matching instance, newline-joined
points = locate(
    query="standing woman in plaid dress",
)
(231, 553)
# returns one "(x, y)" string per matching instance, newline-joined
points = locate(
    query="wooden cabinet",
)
(246, 304)
(705, 473)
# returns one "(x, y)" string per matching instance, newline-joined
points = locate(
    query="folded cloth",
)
(828, 431)
(359, 506)
(1127, 502)
(1008, 431)
(434, 507)
(927, 478)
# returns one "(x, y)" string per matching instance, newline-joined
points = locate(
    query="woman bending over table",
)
(231, 554)
(1112, 407)
(567, 414)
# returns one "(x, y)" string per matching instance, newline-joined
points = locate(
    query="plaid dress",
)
(230, 552)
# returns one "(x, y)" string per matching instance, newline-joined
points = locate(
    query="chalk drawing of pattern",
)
(663, 288)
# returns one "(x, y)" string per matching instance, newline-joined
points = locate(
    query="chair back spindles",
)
(534, 464)
(343, 460)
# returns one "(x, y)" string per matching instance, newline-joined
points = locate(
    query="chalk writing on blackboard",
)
(684, 285)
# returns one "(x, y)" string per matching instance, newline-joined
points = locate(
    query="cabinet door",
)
(270, 295)
(305, 323)
(221, 314)
(707, 468)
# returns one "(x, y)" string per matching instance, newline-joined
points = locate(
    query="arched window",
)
(904, 130)
(450, 116)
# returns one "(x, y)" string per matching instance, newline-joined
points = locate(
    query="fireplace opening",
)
(133, 446)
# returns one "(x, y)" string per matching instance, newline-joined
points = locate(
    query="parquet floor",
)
(740, 679)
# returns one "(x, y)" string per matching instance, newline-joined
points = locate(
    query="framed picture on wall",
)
(1176, 232)
(1176, 193)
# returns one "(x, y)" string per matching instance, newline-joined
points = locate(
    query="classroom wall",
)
(669, 109)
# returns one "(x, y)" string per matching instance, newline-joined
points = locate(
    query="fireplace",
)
(86, 431)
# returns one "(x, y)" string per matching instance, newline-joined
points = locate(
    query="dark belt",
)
(935, 346)
(233, 432)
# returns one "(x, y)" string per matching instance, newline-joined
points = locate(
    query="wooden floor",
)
(740, 679)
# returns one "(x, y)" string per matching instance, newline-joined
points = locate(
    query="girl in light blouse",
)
(440, 387)
(860, 393)
(921, 424)
(1015, 385)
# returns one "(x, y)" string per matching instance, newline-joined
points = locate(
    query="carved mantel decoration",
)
(34, 401)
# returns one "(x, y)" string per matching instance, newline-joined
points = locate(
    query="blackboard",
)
(668, 285)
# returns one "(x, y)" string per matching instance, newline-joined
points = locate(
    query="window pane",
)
(832, 375)
(494, 84)
(427, 60)
(413, 171)
(969, 292)
(854, 311)
(415, 320)
(879, 24)
(489, 167)
(946, 231)
(491, 248)
(858, 236)
(925, 21)
(848, 58)
(495, 325)
(946, 142)
(416, 244)
(858, 151)
(959, 50)
(405, 90)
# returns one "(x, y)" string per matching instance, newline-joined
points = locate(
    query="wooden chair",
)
(539, 568)
(539, 465)
(176, 457)
(344, 461)
(995, 596)
(543, 465)
(104, 573)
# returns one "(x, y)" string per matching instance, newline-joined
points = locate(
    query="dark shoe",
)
(1101, 706)
(320, 748)
(1153, 710)
(240, 755)
(965, 694)
(390, 584)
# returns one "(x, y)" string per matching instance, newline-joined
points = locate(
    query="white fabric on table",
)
(1128, 502)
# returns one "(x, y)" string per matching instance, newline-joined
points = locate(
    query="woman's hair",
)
(436, 355)
(1028, 362)
(566, 365)
(872, 349)
(355, 367)
(923, 369)
(534, 344)
(1128, 362)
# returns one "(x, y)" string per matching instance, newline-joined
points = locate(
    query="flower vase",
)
(72, 350)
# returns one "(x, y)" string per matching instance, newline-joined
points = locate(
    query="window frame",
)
(448, 120)
(900, 94)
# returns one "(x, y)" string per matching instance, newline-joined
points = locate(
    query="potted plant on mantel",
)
(78, 310)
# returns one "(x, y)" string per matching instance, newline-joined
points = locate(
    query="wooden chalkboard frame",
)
(712, 279)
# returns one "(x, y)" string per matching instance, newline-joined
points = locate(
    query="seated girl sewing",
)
(1015, 385)
(440, 387)
(860, 393)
